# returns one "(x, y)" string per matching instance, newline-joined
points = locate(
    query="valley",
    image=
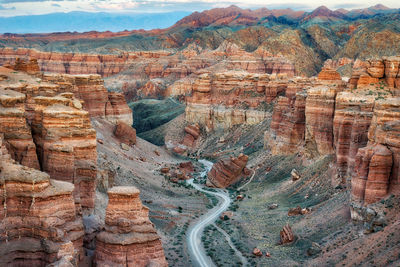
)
(235, 137)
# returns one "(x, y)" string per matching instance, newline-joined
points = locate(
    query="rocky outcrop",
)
(222, 100)
(286, 235)
(70, 63)
(192, 133)
(377, 71)
(125, 133)
(38, 220)
(377, 167)
(51, 131)
(129, 238)
(66, 144)
(117, 110)
(227, 171)
(17, 133)
(319, 111)
(30, 66)
(329, 75)
(287, 127)
(353, 114)
(96, 99)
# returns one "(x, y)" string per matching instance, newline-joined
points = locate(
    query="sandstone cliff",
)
(39, 224)
(377, 165)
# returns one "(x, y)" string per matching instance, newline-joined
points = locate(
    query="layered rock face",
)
(319, 111)
(287, 129)
(129, 238)
(353, 115)
(38, 221)
(226, 171)
(222, 100)
(30, 66)
(149, 74)
(374, 71)
(66, 144)
(71, 63)
(377, 167)
(97, 101)
(17, 133)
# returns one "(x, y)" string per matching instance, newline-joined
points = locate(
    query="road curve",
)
(194, 236)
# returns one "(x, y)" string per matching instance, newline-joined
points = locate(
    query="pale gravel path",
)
(195, 231)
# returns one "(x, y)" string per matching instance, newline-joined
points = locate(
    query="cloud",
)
(293, 6)
(6, 8)
(347, 6)
(37, 7)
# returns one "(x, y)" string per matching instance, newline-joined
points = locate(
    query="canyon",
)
(258, 132)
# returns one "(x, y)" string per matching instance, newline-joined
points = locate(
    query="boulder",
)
(226, 171)
(286, 235)
(125, 133)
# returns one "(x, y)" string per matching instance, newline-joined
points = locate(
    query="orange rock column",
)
(129, 238)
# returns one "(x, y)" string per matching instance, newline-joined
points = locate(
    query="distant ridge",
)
(232, 15)
(86, 21)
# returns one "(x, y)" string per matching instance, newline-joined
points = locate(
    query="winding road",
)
(194, 236)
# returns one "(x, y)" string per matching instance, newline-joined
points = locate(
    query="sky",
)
(9, 8)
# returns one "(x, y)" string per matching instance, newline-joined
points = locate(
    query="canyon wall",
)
(222, 100)
(75, 63)
(153, 74)
(355, 121)
(39, 223)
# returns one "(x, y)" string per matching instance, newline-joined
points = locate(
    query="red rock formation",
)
(376, 68)
(117, 110)
(192, 134)
(222, 100)
(353, 114)
(376, 71)
(90, 89)
(66, 144)
(329, 75)
(30, 66)
(371, 181)
(38, 221)
(226, 171)
(69, 63)
(287, 127)
(392, 71)
(17, 133)
(320, 108)
(129, 238)
(125, 133)
(377, 168)
(286, 235)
